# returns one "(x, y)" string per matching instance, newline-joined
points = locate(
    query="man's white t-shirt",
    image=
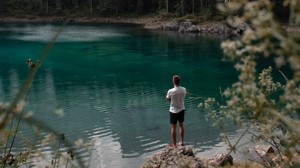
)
(177, 95)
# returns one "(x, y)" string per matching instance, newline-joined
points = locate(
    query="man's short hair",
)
(176, 79)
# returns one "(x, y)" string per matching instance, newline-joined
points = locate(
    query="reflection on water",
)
(111, 82)
(44, 33)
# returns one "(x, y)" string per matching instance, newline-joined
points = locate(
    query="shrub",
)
(249, 102)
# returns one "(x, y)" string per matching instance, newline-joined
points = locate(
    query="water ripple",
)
(150, 143)
(111, 88)
(44, 33)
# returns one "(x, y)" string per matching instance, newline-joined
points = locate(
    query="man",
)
(176, 97)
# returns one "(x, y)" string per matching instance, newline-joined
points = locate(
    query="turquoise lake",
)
(110, 80)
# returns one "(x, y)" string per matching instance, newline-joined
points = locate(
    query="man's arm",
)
(168, 97)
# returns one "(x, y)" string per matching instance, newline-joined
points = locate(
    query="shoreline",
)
(211, 27)
(151, 23)
(85, 19)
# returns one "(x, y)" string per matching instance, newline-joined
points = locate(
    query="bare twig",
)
(232, 148)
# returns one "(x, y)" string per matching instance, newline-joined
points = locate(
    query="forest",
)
(103, 8)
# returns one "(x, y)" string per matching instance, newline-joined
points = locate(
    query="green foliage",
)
(249, 101)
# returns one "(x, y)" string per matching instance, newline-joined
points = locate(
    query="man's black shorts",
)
(174, 117)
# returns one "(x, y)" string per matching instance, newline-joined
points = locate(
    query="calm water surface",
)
(110, 81)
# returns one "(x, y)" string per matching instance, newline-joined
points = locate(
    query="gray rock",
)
(174, 157)
(192, 29)
(184, 26)
(221, 160)
(210, 28)
(265, 155)
(172, 26)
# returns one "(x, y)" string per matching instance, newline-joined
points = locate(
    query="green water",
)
(111, 80)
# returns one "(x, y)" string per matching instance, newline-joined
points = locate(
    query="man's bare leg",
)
(181, 131)
(173, 135)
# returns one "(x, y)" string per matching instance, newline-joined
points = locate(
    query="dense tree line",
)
(107, 7)
(118, 7)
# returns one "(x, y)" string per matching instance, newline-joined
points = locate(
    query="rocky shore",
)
(258, 157)
(186, 26)
(180, 26)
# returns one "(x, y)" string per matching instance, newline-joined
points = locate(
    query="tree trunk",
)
(139, 6)
(2, 6)
(153, 6)
(58, 5)
(47, 6)
(182, 7)
(167, 6)
(193, 6)
(160, 5)
(201, 5)
(75, 4)
(213, 7)
(91, 6)
(41, 5)
(117, 7)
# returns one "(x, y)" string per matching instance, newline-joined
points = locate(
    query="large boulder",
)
(171, 26)
(192, 29)
(265, 155)
(221, 160)
(184, 26)
(174, 157)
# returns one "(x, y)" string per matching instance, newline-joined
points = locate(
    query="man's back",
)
(177, 95)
